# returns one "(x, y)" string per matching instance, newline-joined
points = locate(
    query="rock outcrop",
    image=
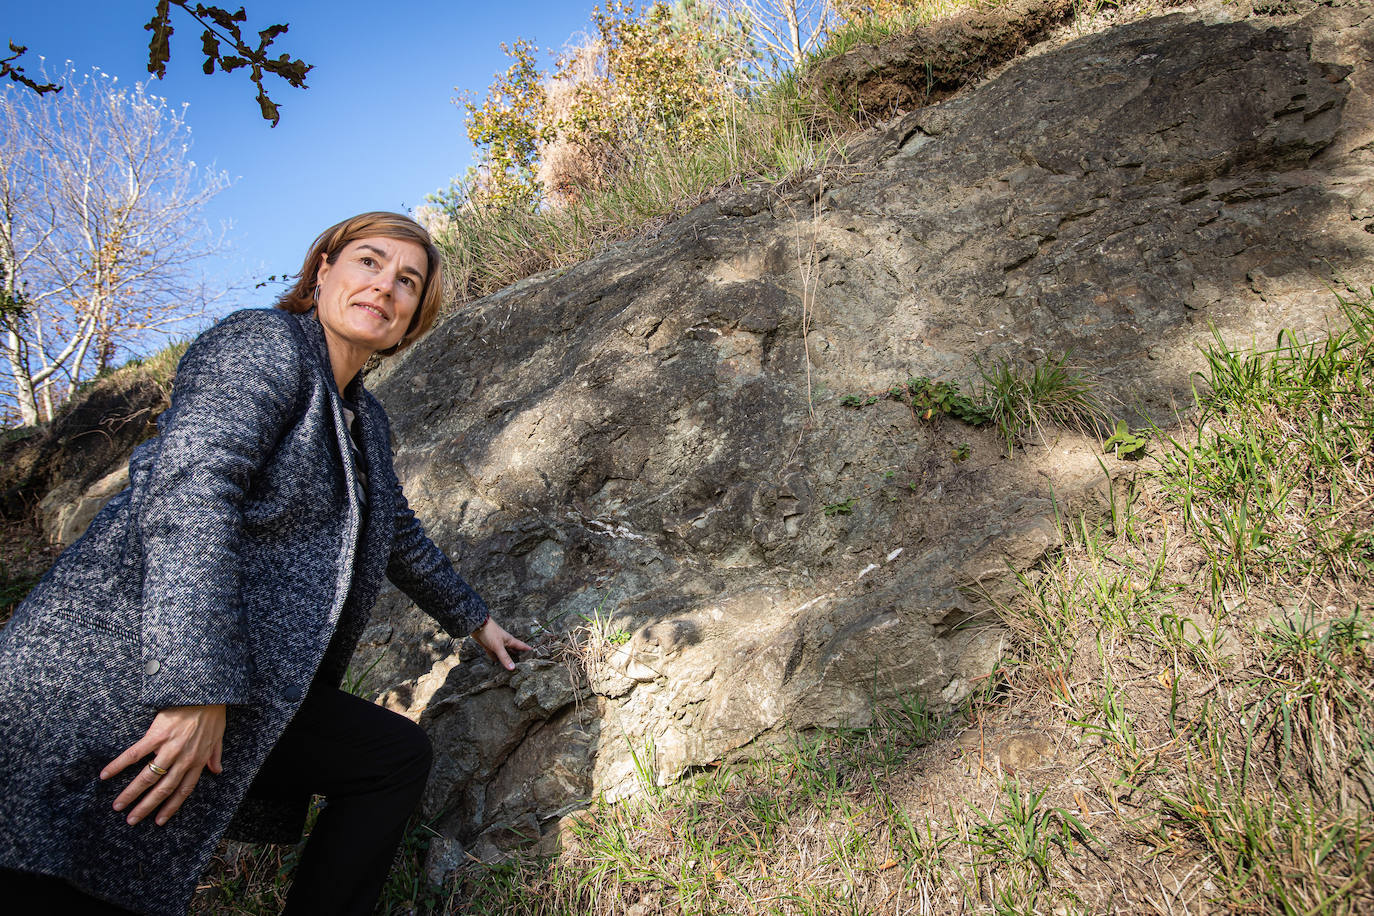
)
(91, 438)
(931, 63)
(644, 461)
(650, 463)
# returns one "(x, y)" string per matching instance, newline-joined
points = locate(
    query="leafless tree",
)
(786, 30)
(100, 232)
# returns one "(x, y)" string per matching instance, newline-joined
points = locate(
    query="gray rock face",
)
(643, 461)
(67, 510)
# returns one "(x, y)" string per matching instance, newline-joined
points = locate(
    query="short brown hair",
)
(300, 297)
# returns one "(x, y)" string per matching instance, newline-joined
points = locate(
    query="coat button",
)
(291, 694)
(151, 666)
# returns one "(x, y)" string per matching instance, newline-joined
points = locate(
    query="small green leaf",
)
(1123, 443)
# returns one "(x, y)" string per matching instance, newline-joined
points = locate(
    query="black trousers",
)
(369, 763)
(25, 892)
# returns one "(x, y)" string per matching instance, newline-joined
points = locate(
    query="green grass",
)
(1312, 699)
(356, 677)
(700, 847)
(1275, 481)
(1019, 399)
(1022, 399)
(1016, 850)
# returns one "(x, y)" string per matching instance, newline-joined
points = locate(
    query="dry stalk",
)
(807, 264)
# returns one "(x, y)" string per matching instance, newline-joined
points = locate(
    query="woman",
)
(197, 634)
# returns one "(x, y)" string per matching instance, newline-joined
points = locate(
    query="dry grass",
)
(489, 248)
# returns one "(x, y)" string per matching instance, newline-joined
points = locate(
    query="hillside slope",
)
(648, 466)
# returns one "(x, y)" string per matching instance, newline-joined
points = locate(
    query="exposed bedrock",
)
(633, 458)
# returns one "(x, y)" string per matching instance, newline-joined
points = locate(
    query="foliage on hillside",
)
(662, 106)
(644, 78)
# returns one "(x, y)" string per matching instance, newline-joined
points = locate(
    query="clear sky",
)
(376, 129)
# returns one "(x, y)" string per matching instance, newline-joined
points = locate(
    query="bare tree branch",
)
(786, 30)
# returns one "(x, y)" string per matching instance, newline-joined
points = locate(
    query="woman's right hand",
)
(182, 740)
(498, 643)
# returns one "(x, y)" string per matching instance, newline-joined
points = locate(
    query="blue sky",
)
(376, 129)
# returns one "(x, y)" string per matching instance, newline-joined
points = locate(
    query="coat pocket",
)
(81, 691)
(98, 623)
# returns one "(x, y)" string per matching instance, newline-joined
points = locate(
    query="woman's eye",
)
(367, 261)
(409, 281)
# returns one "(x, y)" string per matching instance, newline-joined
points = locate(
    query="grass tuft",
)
(1020, 400)
(1276, 481)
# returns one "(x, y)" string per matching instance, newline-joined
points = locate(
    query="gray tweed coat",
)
(238, 567)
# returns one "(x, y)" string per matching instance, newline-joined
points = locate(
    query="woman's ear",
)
(323, 268)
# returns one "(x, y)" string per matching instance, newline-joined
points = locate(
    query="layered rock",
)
(644, 462)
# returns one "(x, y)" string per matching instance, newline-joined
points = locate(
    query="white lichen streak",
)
(814, 600)
(615, 530)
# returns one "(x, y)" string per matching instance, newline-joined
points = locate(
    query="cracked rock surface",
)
(644, 465)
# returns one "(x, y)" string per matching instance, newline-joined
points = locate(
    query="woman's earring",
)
(315, 294)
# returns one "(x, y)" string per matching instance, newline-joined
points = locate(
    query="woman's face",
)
(369, 294)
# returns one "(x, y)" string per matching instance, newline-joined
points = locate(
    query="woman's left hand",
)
(498, 643)
(183, 741)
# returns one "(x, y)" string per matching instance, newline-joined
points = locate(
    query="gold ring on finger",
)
(157, 770)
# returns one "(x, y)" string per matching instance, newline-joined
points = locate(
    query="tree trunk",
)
(794, 32)
(23, 383)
